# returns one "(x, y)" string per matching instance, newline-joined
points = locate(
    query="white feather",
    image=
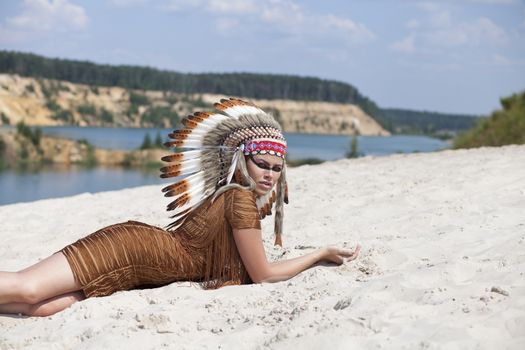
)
(193, 192)
(209, 123)
(190, 166)
(187, 155)
(191, 143)
(232, 168)
(195, 179)
(194, 138)
(237, 111)
(197, 131)
(213, 119)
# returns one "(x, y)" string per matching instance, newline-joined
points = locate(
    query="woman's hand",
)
(338, 255)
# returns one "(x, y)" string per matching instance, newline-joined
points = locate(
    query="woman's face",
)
(265, 170)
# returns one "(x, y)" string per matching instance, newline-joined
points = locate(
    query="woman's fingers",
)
(340, 255)
(355, 253)
(345, 252)
(349, 253)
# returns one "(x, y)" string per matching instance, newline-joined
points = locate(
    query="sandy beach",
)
(442, 264)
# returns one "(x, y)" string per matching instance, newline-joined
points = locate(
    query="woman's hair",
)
(247, 182)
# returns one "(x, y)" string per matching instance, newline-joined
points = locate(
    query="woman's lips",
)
(265, 184)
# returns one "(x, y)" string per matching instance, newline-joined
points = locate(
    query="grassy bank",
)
(503, 127)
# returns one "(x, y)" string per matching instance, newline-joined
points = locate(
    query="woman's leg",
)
(46, 279)
(44, 308)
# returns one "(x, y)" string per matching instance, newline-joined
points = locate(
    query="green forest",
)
(505, 126)
(251, 85)
(402, 121)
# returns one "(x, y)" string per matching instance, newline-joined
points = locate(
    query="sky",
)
(453, 56)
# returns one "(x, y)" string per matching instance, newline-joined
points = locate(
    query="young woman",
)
(234, 173)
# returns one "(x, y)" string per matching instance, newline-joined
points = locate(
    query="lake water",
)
(59, 181)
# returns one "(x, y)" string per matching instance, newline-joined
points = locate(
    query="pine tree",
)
(354, 151)
(158, 141)
(146, 144)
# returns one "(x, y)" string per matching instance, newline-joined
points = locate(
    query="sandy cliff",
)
(51, 102)
(19, 149)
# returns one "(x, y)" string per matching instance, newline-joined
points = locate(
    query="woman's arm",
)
(251, 249)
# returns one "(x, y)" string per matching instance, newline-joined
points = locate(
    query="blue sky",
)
(450, 56)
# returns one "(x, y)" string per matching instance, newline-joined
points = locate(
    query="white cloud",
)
(213, 6)
(232, 6)
(429, 6)
(496, 1)
(440, 19)
(43, 15)
(282, 15)
(438, 31)
(501, 60)
(181, 5)
(405, 45)
(484, 30)
(444, 38)
(127, 3)
(226, 25)
(9, 36)
(412, 24)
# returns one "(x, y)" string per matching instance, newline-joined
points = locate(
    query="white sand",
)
(438, 231)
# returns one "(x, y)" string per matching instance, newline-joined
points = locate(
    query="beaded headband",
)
(265, 146)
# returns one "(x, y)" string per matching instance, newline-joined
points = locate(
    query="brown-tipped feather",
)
(173, 174)
(219, 106)
(185, 198)
(168, 188)
(176, 143)
(202, 115)
(171, 168)
(177, 133)
(228, 103)
(179, 136)
(241, 102)
(193, 120)
(190, 124)
(196, 118)
(178, 188)
(173, 157)
(232, 102)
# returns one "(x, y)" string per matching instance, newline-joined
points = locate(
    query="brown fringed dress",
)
(133, 254)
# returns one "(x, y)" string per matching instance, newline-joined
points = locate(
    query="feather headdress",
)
(209, 152)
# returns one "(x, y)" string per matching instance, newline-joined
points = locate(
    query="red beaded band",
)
(265, 147)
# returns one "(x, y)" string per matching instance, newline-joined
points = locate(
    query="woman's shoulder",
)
(233, 196)
(240, 208)
(237, 196)
(239, 192)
